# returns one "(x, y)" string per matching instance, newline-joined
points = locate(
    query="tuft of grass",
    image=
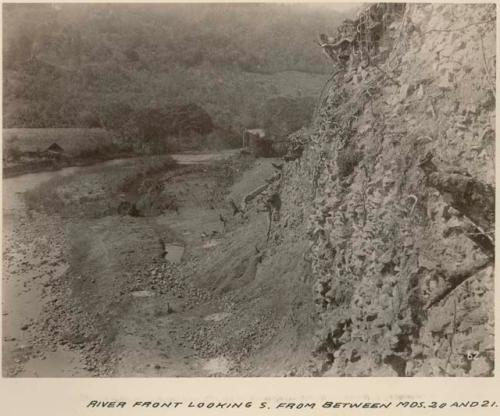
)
(147, 167)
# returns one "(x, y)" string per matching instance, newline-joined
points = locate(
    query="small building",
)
(54, 151)
(54, 148)
(257, 142)
(248, 134)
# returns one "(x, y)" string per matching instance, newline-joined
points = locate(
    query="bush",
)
(222, 139)
(173, 121)
(88, 119)
(100, 152)
(115, 116)
(14, 153)
(154, 130)
(146, 168)
(132, 55)
(281, 116)
(159, 164)
(347, 160)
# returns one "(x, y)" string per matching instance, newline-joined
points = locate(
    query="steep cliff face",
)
(394, 182)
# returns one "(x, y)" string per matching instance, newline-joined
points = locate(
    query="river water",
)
(12, 188)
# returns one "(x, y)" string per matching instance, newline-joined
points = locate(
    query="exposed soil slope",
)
(183, 287)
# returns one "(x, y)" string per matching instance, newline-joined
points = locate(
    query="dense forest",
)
(77, 65)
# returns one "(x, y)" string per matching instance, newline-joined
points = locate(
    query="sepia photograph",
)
(248, 190)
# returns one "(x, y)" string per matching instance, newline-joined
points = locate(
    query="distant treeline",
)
(68, 65)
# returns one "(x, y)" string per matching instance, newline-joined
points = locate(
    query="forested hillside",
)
(73, 65)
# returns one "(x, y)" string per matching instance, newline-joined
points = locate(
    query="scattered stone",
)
(481, 368)
(405, 91)
(142, 294)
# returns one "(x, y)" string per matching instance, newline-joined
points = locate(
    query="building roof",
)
(257, 132)
(54, 147)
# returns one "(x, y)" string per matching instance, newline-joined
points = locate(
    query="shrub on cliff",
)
(347, 160)
(284, 115)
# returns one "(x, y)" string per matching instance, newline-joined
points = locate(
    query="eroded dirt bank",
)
(173, 287)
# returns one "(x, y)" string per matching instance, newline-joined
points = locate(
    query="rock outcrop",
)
(401, 251)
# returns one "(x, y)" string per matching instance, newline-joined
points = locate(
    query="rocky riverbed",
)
(173, 291)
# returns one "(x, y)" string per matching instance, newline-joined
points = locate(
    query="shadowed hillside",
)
(66, 65)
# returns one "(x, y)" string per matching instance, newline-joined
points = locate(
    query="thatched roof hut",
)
(54, 148)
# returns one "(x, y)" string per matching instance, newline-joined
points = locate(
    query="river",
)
(12, 188)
